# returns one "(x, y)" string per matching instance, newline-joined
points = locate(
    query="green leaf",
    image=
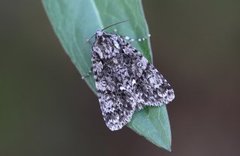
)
(75, 21)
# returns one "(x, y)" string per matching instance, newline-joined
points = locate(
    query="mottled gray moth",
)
(125, 80)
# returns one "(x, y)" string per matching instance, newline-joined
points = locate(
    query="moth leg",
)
(129, 39)
(87, 75)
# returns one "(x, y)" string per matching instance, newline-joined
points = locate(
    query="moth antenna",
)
(114, 24)
(107, 28)
(88, 40)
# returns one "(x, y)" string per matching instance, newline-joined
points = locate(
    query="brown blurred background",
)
(46, 109)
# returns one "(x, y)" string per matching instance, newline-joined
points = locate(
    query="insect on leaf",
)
(125, 81)
(74, 21)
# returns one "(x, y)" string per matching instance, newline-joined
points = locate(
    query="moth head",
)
(98, 34)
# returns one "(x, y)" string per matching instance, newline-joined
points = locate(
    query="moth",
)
(125, 80)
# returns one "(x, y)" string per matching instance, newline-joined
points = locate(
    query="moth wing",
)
(152, 88)
(117, 104)
(117, 110)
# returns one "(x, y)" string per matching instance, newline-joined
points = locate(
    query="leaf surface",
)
(75, 21)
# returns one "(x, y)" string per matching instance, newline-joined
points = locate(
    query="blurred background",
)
(46, 109)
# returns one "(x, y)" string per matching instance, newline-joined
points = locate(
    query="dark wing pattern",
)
(125, 80)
